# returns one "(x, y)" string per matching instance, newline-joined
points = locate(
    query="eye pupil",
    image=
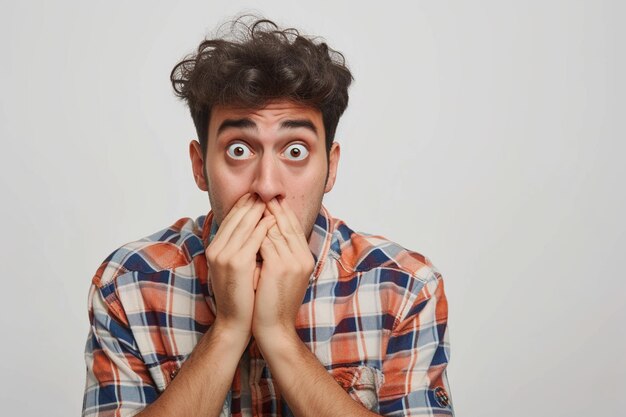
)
(295, 152)
(238, 151)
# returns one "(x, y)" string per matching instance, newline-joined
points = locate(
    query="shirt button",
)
(173, 373)
(442, 397)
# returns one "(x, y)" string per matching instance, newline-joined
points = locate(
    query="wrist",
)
(230, 334)
(273, 339)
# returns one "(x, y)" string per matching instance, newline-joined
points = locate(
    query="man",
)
(267, 305)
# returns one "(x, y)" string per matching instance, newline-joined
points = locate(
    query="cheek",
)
(305, 203)
(304, 185)
(226, 188)
(302, 181)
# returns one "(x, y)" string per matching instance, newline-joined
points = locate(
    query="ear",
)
(333, 161)
(197, 164)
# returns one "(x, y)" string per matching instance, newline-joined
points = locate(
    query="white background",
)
(487, 135)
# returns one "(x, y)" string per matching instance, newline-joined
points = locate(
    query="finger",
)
(291, 225)
(245, 227)
(284, 224)
(268, 250)
(245, 200)
(280, 244)
(295, 224)
(253, 244)
(231, 220)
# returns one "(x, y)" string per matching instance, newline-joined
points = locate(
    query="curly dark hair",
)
(257, 62)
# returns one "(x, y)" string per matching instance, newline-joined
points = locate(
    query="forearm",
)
(204, 379)
(304, 383)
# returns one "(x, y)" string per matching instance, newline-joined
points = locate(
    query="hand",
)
(285, 272)
(231, 258)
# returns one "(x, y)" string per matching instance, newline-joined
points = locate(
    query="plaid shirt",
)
(374, 314)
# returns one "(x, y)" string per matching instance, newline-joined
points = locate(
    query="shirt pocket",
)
(165, 371)
(361, 382)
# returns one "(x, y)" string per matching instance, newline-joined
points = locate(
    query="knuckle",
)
(230, 263)
(210, 255)
(275, 233)
(221, 261)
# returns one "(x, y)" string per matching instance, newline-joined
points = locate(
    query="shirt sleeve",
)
(417, 355)
(118, 382)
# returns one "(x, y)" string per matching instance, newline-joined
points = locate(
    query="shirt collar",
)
(319, 240)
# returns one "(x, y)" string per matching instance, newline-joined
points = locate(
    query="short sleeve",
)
(118, 382)
(417, 355)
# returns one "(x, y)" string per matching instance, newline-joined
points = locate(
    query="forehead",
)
(271, 112)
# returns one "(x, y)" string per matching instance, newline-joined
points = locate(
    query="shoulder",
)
(388, 276)
(168, 248)
(360, 252)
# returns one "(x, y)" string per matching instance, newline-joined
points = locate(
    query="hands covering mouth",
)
(260, 264)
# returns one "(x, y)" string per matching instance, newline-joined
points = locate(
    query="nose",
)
(268, 181)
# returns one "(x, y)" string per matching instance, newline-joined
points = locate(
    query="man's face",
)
(275, 151)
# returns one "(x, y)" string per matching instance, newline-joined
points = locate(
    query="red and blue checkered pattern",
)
(374, 314)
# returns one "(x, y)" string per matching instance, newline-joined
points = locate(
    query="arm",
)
(417, 350)
(204, 379)
(417, 355)
(118, 382)
(303, 381)
(414, 367)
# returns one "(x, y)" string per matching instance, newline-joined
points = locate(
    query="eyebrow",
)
(247, 123)
(294, 124)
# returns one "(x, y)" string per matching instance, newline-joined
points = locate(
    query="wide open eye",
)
(296, 152)
(238, 151)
